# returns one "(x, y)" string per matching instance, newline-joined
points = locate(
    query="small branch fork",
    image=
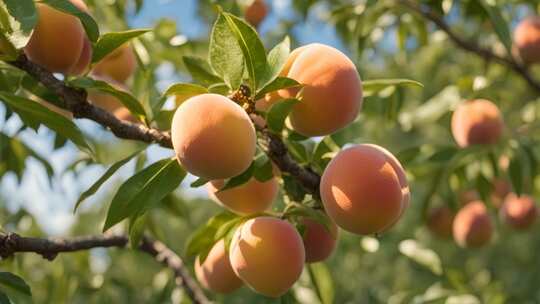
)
(12, 243)
(471, 46)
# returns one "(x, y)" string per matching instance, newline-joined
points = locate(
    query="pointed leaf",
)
(14, 282)
(201, 71)
(225, 55)
(89, 24)
(109, 42)
(277, 84)
(18, 26)
(275, 119)
(183, 91)
(322, 280)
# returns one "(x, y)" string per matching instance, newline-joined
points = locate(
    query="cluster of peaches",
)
(479, 122)
(71, 54)
(364, 189)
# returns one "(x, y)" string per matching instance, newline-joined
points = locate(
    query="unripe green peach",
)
(119, 65)
(476, 122)
(519, 212)
(57, 40)
(440, 221)
(527, 39)
(361, 190)
(249, 198)
(216, 273)
(472, 225)
(213, 137)
(331, 92)
(268, 255)
(319, 242)
(255, 12)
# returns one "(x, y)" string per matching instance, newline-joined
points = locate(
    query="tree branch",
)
(76, 102)
(471, 46)
(12, 243)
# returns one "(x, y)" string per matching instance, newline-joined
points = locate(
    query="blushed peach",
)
(268, 255)
(119, 65)
(477, 122)
(213, 137)
(472, 225)
(255, 12)
(216, 273)
(319, 240)
(527, 39)
(440, 221)
(331, 92)
(249, 198)
(85, 59)
(519, 212)
(361, 190)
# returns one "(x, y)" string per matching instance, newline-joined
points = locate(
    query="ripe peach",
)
(85, 59)
(216, 273)
(268, 255)
(477, 122)
(57, 40)
(519, 212)
(119, 65)
(251, 197)
(332, 91)
(472, 225)
(319, 242)
(256, 12)
(501, 188)
(361, 190)
(213, 137)
(440, 221)
(527, 39)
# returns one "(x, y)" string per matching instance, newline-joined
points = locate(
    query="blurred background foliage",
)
(42, 175)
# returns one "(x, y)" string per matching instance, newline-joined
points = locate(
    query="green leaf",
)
(240, 179)
(202, 240)
(198, 183)
(112, 169)
(421, 255)
(371, 87)
(130, 102)
(443, 155)
(275, 118)
(183, 91)
(137, 224)
(143, 190)
(263, 171)
(499, 24)
(54, 121)
(4, 299)
(14, 282)
(277, 57)
(252, 49)
(109, 42)
(225, 55)
(89, 24)
(277, 84)
(200, 71)
(18, 26)
(515, 171)
(322, 280)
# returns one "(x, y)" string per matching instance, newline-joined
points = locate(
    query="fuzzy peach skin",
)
(119, 65)
(83, 63)
(319, 242)
(527, 39)
(57, 40)
(268, 255)
(249, 198)
(255, 12)
(472, 226)
(476, 122)
(332, 91)
(440, 221)
(216, 273)
(360, 190)
(213, 137)
(519, 212)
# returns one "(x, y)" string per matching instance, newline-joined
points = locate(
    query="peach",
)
(472, 225)
(476, 122)
(361, 190)
(331, 93)
(119, 65)
(527, 39)
(255, 12)
(268, 255)
(468, 196)
(249, 198)
(319, 241)
(440, 222)
(501, 188)
(85, 59)
(519, 212)
(57, 40)
(213, 137)
(216, 273)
